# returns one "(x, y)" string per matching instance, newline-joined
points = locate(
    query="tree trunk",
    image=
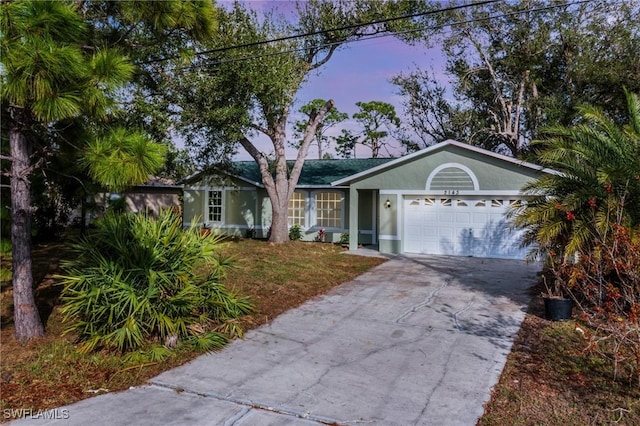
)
(26, 317)
(280, 200)
(279, 225)
(282, 186)
(375, 148)
(319, 140)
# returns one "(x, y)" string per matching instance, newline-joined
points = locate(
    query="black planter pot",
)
(557, 309)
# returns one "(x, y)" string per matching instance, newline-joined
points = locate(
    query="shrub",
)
(295, 232)
(344, 238)
(137, 281)
(597, 162)
(605, 283)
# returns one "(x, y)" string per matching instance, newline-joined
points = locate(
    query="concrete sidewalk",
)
(419, 340)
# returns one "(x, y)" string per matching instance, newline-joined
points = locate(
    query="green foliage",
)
(377, 120)
(5, 247)
(135, 281)
(332, 118)
(122, 159)
(525, 68)
(156, 36)
(46, 69)
(50, 75)
(344, 238)
(43, 65)
(597, 166)
(178, 164)
(295, 232)
(62, 60)
(230, 95)
(5, 276)
(64, 67)
(585, 217)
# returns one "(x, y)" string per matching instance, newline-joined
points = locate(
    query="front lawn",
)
(49, 372)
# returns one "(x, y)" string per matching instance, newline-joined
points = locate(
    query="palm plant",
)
(597, 174)
(49, 75)
(136, 280)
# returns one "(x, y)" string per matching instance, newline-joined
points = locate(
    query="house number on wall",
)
(451, 192)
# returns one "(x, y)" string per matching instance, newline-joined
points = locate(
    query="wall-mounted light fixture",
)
(387, 203)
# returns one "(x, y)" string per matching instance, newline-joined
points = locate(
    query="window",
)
(297, 209)
(214, 206)
(329, 210)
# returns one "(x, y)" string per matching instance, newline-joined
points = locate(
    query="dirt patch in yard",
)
(549, 379)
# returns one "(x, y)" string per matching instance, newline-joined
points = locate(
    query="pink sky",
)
(359, 72)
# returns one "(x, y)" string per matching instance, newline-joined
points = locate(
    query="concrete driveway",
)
(419, 340)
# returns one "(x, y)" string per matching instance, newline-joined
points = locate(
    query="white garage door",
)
(461, 226)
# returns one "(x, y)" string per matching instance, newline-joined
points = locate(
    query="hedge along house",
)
(450, 198)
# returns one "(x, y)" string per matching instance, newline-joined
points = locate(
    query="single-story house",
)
(150, 198)
(450, 198)
(154, 195)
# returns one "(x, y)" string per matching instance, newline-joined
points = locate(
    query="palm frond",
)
(137, 280)
(599, 164)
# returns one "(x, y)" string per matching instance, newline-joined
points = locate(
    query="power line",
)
(374, 36)
(346, 27)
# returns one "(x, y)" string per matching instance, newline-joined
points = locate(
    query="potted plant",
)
(205, 230)
(557, 307)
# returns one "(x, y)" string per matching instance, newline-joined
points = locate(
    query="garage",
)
(447, 199)
(460, 226)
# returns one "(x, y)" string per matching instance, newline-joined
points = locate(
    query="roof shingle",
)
(314, 172)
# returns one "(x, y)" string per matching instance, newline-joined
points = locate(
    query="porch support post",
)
(353, 218)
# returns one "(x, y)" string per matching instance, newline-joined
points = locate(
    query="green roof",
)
(323, 172)
(314, 172)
